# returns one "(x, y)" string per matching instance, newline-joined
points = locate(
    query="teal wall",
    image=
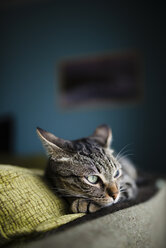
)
(33, 40)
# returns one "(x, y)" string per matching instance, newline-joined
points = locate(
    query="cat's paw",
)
(84, 206)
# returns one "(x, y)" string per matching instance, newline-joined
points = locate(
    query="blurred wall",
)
(35, 37)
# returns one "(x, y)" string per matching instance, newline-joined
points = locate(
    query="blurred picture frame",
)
(103, 79)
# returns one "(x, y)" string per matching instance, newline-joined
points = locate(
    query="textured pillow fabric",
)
(27, 205)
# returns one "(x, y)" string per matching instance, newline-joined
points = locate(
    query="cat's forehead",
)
(90, 154)
(86, 146)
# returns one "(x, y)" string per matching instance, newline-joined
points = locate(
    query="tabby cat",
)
(87, 171)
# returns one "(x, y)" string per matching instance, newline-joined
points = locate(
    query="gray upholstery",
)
(140, 226)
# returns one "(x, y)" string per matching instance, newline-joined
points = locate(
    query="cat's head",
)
(84, 168)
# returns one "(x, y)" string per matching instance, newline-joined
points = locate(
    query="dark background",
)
(36, 35)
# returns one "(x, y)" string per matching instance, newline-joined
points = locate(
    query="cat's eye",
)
(117, 173)
(93, 179)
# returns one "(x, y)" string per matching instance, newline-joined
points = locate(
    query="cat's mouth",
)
(117, 198)
(108, 201)
(112, 200)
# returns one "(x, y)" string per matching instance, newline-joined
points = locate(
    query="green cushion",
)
(27, 205)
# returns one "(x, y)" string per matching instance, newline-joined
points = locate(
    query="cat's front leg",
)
(83, 206)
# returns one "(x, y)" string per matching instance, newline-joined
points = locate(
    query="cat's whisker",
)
(124, 153)
(124, 190)
(125, 156)
(127, 153)
(120, 152)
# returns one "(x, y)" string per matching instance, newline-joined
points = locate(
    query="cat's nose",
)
(112, 191)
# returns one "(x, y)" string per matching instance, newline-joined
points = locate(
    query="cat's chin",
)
(117, 199)
(110, 203)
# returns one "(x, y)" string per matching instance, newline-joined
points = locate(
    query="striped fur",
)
(71, 163)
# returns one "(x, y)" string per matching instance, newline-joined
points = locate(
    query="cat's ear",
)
(53, 145)
(103, 135)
